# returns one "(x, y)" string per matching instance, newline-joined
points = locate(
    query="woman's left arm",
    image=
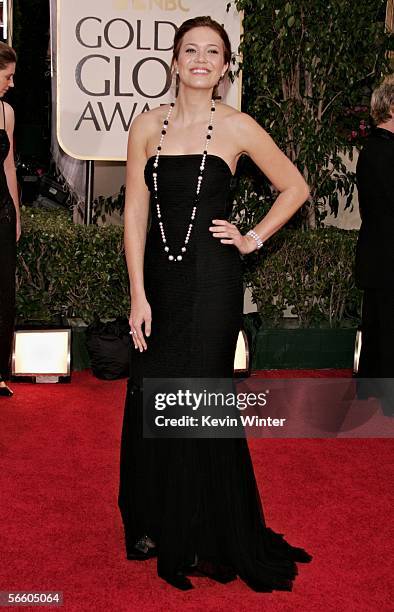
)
(253, 140)
(9, 165)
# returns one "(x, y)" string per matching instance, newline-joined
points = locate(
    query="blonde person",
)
(375, 250)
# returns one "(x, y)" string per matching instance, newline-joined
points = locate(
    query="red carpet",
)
(61, 530)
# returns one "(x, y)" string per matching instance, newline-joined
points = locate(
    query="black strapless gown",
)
(7, 262)
(194, 496)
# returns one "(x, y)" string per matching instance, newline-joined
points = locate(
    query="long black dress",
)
(7, 259)
(194, 496)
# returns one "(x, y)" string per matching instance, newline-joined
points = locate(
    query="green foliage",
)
(78, 271)
(311, 272)
(304, 65)
(70, 270)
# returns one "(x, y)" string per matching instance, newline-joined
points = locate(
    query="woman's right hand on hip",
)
(140, 314)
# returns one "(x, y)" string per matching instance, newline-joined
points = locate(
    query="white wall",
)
(108, 177)
(349, 218)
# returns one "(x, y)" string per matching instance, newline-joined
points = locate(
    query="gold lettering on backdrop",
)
(121, 5)
(138, 5)
(148, 5)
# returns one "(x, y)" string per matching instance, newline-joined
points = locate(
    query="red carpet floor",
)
(60, 528)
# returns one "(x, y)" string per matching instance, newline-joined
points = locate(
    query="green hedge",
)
(311, 271)
(70, 270)
(77, 271)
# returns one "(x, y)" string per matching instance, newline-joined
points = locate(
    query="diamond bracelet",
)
(255, 237)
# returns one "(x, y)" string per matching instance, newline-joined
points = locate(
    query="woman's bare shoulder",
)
(146, 124)
(9, 111)
(9, 117)
(234, 116)
(225, 111)
(151, 117)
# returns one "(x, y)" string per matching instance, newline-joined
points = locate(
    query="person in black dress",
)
(375, 248)
(194, 503)
(9, 218)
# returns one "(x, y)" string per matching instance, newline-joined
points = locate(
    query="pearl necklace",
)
(179, 257)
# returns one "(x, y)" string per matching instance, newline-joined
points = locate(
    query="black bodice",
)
(7, 208)
(177, 182)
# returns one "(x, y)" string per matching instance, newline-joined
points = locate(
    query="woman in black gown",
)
(9, 217)
(194, 503)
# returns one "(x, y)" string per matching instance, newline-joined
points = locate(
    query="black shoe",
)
(143, 549)
(6, 392)
(178, 580)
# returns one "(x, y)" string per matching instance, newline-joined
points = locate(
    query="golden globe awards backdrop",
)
(113, 62)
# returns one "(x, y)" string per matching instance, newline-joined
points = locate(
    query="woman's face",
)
(200, 62)
(6, 78)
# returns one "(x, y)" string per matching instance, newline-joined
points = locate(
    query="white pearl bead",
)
(199, 180)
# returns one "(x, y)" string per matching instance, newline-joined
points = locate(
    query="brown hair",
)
(7, 55)
(382, 101)
(201, 22)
